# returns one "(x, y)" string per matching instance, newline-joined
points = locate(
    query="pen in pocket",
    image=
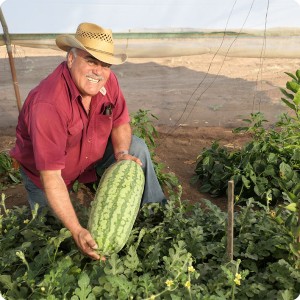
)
(108, 110)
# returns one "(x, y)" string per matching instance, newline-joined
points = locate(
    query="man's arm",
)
(121, 140)
(59, 200)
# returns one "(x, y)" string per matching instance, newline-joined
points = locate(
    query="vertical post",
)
(230, 212)
(11, 60)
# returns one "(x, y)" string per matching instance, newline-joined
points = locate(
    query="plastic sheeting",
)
(243, 28)
(63, 16)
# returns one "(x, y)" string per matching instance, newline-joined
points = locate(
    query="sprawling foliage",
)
(266, 168)
(174, 252)
(8, 174)
(142, 127)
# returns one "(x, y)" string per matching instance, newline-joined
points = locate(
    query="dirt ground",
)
(197, 100)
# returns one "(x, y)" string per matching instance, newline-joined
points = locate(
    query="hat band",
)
(96, 50)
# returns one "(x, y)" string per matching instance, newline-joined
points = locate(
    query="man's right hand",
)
(59, 200)
(86, 243)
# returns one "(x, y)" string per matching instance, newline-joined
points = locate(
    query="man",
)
(76, 123)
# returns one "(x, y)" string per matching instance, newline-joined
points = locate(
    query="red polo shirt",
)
(55, 133)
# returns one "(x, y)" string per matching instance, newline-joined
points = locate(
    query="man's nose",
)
(98, 70)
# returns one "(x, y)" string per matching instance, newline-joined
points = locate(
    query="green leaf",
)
(295, 248)
(298, 74)
(205, 188)
(13, 178)
(84, 291)
(286, 171)
(272, 158)
(246, 182)
(288, 95)
(115, 266)
(289, 104)
(291, 75)
(6, 281)
(296, 154)
(269, 171)
(296, 99)
(291, 207)
(131, 260)
(293, 86)
(123, 285)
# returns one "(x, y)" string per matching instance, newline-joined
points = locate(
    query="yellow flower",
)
(26, 221)
(191, 269)
(188, 284)
(272, 213)
(43, 289)
(237, 279)
(169, 282)
(152, 297)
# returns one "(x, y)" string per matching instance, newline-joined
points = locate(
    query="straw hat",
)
(93, 39)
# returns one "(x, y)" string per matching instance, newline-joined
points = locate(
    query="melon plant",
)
(116, 205)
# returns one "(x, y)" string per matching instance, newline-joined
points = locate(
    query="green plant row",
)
(175, 252)
(267, 167)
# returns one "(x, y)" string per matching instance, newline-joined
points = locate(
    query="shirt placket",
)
(89, 130)
(86, 141)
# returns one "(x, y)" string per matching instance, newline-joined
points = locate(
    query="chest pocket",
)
(75, 132)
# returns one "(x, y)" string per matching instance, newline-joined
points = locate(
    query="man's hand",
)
(86, 244)
(59, 200)
(129, 157)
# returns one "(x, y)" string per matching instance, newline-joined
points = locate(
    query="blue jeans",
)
(138, 148)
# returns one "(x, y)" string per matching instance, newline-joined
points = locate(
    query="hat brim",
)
(66, 42)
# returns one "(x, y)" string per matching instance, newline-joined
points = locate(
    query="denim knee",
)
(139, 149)
(34, 194)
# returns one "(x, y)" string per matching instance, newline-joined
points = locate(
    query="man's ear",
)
(70, 59)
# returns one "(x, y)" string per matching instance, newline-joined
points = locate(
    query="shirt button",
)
(89, 140)
(86, 157)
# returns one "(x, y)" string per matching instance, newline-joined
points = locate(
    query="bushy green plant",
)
(142, 126)
(174, 252)
(8, 175)
(267, 167)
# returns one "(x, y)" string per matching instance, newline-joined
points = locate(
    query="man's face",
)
(88, 73)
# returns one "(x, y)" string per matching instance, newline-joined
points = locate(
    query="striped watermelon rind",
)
(116, 205)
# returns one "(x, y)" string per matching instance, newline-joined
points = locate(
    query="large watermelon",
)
(116, 205)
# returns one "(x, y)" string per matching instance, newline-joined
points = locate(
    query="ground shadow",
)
(178, 96)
